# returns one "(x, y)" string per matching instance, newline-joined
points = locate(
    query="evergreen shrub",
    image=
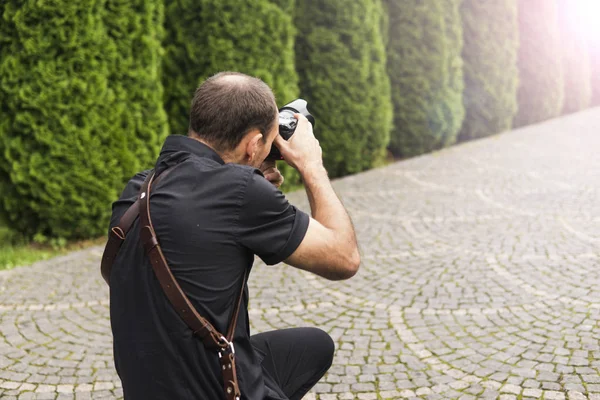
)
(80, 110)
(490, 32)
(425, 68)
(204, 37)
(341, 61)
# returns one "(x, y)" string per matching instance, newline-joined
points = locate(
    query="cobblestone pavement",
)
(480, 279)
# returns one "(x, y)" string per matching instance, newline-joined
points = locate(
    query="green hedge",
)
(456, 82)
(427, 81)
(490, 66)
(80, 109)
(204, 37)
(136, 29)
(541, 82)
(576, 61)
(341, 62)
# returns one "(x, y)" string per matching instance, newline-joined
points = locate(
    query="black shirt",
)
(211, 218)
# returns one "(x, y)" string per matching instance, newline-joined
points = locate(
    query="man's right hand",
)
(329, 248)
(302, 151)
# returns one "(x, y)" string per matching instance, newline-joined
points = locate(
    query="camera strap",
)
(200, 327)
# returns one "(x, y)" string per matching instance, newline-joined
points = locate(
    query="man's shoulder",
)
(134, 185)
(239, 169)
(231, 174)
(202, 164)
(245, 182)
(128, 196)
(138, 179)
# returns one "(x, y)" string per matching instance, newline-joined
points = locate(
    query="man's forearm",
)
(325, 205)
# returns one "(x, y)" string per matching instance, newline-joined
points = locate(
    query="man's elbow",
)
(351, 265)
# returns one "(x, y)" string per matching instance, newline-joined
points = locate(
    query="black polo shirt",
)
(211, 218)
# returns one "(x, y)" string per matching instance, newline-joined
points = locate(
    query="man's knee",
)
(324, 345)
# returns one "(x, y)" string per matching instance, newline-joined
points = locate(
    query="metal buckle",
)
(228, 344)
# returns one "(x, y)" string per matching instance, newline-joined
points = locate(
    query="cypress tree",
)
(208, 36)
(425, 69)
(341, 62)
(490, 31)
(80, 110)
(541, 82)
(455, 110)
(136, 29)
(576, 60)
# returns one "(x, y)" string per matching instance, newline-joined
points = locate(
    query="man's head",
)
(236, 115)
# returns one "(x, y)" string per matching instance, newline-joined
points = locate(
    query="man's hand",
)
(271, 173)
(302, 151)
(329, 248)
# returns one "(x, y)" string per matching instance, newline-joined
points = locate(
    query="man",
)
(217, 207)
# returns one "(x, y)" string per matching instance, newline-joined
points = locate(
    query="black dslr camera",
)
(287, 123)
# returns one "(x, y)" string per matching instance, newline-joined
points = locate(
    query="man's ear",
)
(253, 144)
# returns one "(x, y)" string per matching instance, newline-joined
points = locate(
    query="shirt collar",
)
(179, 143)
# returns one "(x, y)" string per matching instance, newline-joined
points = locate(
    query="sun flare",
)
(586, 16)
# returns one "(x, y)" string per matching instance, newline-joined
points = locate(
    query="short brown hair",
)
(228, 105)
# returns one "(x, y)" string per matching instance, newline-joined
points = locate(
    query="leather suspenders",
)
(201, 327)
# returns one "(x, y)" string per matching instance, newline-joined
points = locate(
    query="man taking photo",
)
(215, 208)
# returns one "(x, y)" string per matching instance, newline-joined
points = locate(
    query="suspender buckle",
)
(226, 345)
(227, 361)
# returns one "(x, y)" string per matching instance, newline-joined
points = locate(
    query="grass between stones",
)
(13, 253)
(17, 255)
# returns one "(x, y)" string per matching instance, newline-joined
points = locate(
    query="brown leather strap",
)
(117, 234)
(116, 237)
(230, 383)
(236, 310)
(200, 326)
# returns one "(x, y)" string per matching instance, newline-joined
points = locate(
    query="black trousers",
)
(295, 358)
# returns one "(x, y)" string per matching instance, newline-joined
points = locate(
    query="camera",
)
(287, 123)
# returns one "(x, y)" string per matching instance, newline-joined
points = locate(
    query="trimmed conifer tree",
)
(490, 32)
(541, 81)
(455, 110)
(80, 110)
(135, 27)
(341, 61)
(576, 60)
(425, 68)
(209, 36)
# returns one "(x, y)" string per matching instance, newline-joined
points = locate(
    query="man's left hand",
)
(271, 173)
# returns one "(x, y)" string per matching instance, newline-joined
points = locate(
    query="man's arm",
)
(329, 248)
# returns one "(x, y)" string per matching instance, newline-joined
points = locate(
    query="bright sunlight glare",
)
(586, 18)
